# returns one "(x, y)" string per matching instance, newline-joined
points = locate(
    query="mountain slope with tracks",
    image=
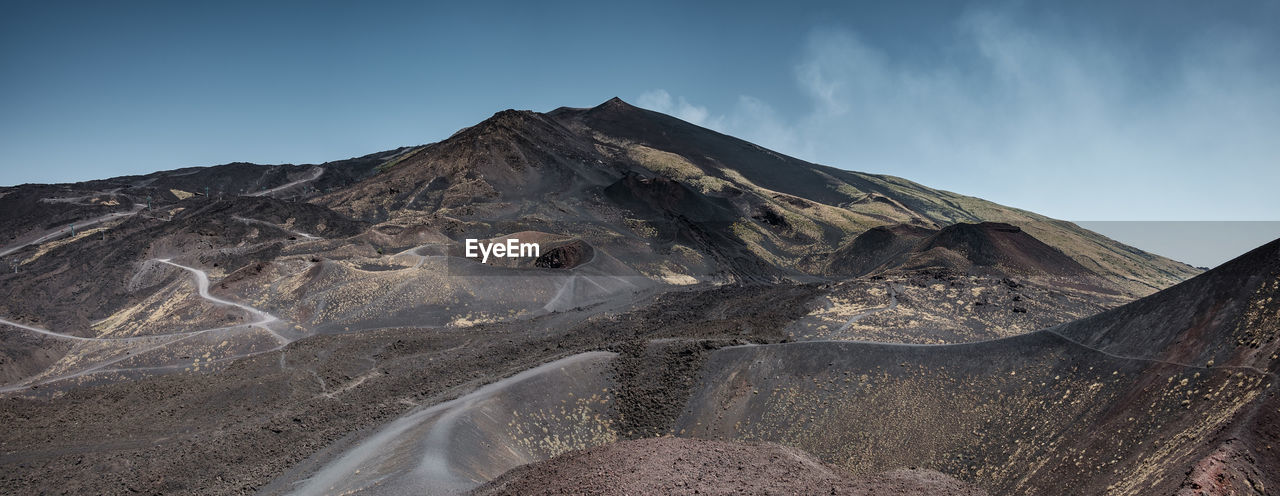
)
(245, 328)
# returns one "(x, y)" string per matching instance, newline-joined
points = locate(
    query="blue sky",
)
(1078, 110)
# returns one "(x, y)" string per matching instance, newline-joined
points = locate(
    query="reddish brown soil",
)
(668, 465)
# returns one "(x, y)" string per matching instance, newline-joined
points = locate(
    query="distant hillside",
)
(1182, 383)
(573, 166)
(681, 200)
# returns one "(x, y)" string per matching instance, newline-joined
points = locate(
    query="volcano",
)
(992, 248)
(320, 328)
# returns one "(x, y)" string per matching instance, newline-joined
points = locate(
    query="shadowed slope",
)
(1020, 415)
(638, 174)
(871, 199)
(1227, 316)
(992, 247)
(988, 248)
(874, 248)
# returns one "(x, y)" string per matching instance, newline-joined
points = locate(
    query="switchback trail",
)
(318, 171)
(202, 286)
(247, 220)
(414, 454)
(60, 335)
(261, 320)
(68, 229)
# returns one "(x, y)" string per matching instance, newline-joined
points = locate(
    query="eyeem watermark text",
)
(512, 248)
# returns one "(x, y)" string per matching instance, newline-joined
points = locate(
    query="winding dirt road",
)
(419, 453)
(69, 228)
(247, 220)
(261, 319)
(202, 286)
(317, 172)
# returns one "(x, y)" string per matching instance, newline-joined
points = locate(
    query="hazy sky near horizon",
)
(1090, 110)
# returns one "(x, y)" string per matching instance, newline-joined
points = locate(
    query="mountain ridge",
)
(160, 331)
(800, 209)
(781, 218)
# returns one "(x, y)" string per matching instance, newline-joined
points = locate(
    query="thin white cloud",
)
(661, 101)
(753, 117)
(1066, 125)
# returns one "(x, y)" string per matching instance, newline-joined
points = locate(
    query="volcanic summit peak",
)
(615, 102)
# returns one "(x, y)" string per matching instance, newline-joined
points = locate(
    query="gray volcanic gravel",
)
(669, 465)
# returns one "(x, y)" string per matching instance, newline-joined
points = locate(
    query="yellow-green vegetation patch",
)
(46, 247)
(582, 426)
(686, 254)
(642, 227)
(385, 166)
(737, 177)
(799, 222)
(673, 274)
(753, 237)
(182, 195)
(841, 187)
(676, 167)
